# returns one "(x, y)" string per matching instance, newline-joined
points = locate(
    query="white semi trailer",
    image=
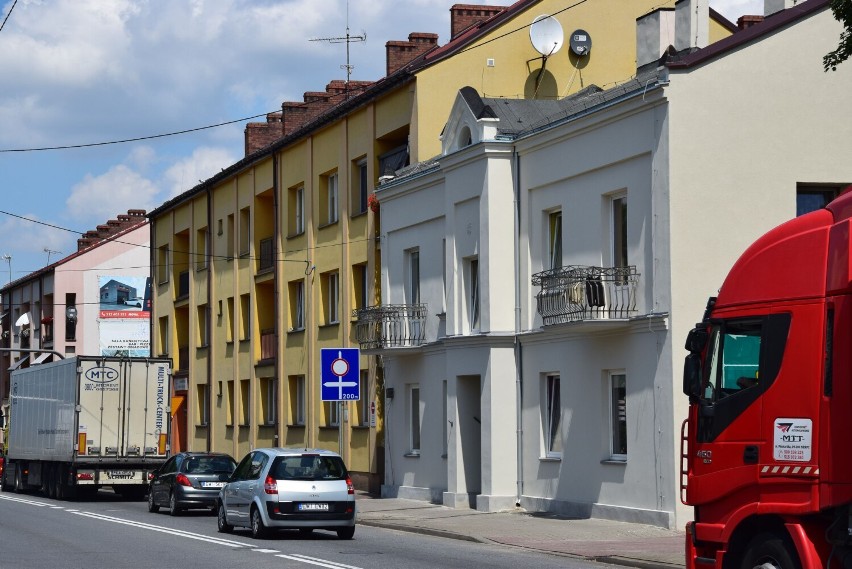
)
(85, 422)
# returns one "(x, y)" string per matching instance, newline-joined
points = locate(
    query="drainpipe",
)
(519, 379)
(209, 325)
(276, 227)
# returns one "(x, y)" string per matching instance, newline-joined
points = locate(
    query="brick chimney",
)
(401, 53)
(653, 34)
(692, 24)
(259, 135)
(463, 16)
(745, 22)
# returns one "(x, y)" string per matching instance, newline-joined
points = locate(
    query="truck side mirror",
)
(692, 375)
(696, 340)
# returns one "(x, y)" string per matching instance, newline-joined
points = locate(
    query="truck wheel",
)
(152, 506)
(769, 551)
(258, 528)
(19, 480)
(222, 520)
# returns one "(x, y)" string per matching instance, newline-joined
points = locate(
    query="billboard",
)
(124, 320)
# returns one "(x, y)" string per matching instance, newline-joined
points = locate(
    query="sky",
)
(89, 72)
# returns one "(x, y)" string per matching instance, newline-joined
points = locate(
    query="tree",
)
(842, 10)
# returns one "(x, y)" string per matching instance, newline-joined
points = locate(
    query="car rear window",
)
(308, 467)
(209, 465)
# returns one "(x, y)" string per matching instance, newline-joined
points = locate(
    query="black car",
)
(190, 480)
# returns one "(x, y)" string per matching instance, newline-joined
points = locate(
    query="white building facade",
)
(539, 278)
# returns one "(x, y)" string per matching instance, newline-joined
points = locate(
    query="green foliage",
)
(842, 10)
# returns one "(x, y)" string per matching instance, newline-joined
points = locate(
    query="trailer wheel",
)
(19, 480)
(770, 551)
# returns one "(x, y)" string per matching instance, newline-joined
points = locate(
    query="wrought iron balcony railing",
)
(391, 326)
(577, 292)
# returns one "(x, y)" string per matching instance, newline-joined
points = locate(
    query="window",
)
(332, 413)
(201, 251)
(245, 231)
(360, 285)
(329, 202)
(245, 317)
(229, 238)
(296, 387)
(473, 304)
(245, 402)
(362, 406)
(331, 296)
(229, 320)
(268, 400)
(297, 305)
(163, 329)
(163, 264)
(230, 404)
(297, 211)
(734, 355)
(359, 200)
(811, 197)
(201, 333)
(618, 415)
(619, 231)
(555, 240)
(202, 404)
(552, 414)
(413, 393)
(412, 281)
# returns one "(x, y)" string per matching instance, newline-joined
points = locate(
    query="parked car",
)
(279, 488)
(190, 480)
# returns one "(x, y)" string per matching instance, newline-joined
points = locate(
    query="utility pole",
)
(347, 39)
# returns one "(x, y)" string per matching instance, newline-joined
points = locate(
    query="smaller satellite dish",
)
(581, 43)
(546, 35)
(23, 320)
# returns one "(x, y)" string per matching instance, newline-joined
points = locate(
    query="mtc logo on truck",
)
(101, 374)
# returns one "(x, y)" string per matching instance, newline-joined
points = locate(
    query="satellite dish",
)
(23, 320)
(546, 35)
(581, 43)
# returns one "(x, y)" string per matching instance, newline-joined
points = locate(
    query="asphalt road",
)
(110, 533)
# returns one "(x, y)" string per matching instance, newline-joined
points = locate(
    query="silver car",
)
(302, 489)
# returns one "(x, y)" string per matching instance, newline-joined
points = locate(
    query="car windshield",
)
(210, 465)
(308, 467)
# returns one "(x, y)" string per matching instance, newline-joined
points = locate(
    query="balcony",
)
(390, 326)
(576, 293)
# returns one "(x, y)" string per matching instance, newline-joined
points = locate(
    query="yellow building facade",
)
(259, 268)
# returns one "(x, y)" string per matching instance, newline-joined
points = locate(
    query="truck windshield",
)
(733, 357)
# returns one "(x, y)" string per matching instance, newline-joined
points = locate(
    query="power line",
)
(7, 15)
(137, 139)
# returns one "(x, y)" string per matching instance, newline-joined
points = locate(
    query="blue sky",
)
(78, 72)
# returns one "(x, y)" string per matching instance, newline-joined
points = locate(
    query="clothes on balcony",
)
(595, 291)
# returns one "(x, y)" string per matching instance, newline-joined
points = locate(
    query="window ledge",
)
(360, 427)
(620, 461)
(296, 426)
(550, 459)
(329, 224)
(330, 324)
(296, 330)
(412, 455)
(329, 427)
(201, 425)
(358, 214)
(297, 234)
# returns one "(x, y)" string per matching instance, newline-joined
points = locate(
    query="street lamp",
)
(8, 259)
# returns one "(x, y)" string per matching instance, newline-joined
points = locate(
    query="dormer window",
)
(465, 138)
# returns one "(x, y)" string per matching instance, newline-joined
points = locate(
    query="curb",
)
(421, 530)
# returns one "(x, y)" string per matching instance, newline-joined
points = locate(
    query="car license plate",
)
(313, 507)
(212, 484)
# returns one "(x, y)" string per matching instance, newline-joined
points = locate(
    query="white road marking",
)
(317, 561)
(162, 529)
(266, 550)
(24, 501)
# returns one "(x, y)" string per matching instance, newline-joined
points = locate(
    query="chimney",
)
(745, 22)
(401, 53)
(772, 6)
(463, 16)
(259, 135)
(654, 32)
(692, 24)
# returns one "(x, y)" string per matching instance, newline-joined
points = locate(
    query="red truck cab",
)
(769, 380)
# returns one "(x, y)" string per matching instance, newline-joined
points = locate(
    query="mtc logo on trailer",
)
(340, 374)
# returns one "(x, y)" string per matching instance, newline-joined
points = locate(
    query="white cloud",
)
(188, 172)
(100, 198)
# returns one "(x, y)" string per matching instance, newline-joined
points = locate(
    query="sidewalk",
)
(619, 543)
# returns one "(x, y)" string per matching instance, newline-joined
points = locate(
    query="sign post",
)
(340, 380)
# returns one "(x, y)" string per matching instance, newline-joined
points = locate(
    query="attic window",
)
(465, 139)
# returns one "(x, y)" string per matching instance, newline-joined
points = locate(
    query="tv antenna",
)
(347, 39)
(49, 251)
(546, 37)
